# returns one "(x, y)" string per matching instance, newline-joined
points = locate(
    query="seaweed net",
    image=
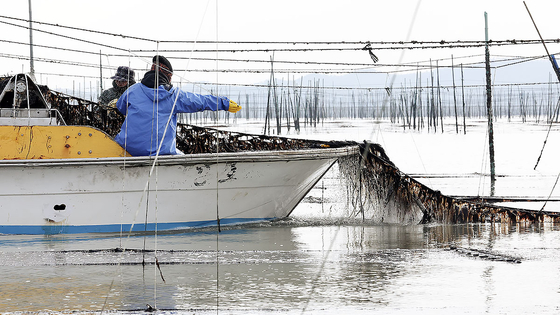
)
(76, 111)
(380, 191)
(193, 139)
(377, 189)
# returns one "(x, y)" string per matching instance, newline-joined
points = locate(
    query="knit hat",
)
(163, 62)
(124, 74)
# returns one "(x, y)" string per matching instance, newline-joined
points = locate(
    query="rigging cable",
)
(65, 36)
(557, 72)
(124, 166)
(156, 158)
(218, 230)
(552, 119)
(156, 116)
(361, 162)
(483, 165)
(550, 195)
(145, 192)
(389, 87)
(400, 43)
(412, 64)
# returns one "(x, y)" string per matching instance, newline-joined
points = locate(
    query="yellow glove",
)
(233, 107)
(113, 103)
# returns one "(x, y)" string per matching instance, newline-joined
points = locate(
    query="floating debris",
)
(485, 254)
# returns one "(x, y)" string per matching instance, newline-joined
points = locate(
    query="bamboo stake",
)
(454, 96)
(439, 96)
(489, 109)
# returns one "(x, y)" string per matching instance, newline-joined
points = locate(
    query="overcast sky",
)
(260, 21)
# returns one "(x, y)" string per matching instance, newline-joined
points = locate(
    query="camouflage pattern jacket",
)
(113, 93)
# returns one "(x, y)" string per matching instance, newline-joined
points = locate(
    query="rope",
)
(65, 36)
(550, 195)
(217, 172)
(145, 192)
(268, 50)
(321, 268)
(481, 182)
(156, 157)
(124, 170)
(547, 133)
(392, 79)
(412, 64)
(441, 43)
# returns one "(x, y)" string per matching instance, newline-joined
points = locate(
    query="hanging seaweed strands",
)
(388, 194)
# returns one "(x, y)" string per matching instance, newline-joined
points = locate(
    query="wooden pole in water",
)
(454, 96)
(421, 112)
(439, 97)
(463, 98)
(415, 101)
(489, 110)
(432, 111)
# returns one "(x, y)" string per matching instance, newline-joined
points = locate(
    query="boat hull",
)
(119, 194)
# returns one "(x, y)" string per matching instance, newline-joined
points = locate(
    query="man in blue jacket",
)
(150, 104)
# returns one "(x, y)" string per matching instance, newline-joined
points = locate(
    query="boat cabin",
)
(30, 128)
(23, 104)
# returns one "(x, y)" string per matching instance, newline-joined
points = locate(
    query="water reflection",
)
(287, 267)
(488, 287)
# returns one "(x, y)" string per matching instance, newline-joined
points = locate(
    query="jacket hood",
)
(151, 80)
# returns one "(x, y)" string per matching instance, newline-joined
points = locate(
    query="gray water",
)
(290, 267)
(322, 260)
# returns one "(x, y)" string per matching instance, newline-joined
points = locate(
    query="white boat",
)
(76, 179)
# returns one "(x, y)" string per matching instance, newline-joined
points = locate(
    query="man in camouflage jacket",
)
(122, 80)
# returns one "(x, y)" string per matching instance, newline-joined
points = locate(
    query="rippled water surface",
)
(292, 267)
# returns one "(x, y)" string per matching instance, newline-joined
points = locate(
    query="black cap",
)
(161, 60)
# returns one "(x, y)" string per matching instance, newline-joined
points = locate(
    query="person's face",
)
(121, 83)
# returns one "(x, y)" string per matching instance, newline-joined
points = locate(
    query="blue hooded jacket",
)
(142, 129)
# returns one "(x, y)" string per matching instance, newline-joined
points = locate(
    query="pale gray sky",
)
(257, 20)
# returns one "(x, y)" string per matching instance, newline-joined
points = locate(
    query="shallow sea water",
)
(320, 261)
(291, 267)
